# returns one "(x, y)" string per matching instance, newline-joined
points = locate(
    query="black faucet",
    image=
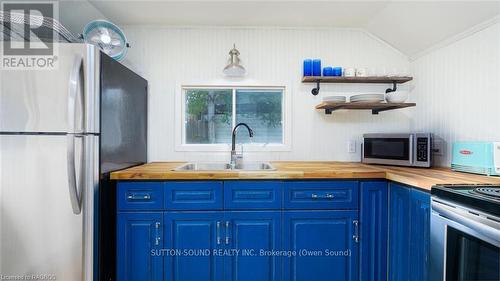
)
(234, 156)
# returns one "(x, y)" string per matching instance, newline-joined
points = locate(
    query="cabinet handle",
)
(356, 231)
(137, 197)
(327, 196)
(218, 232)
(157, 229)
(227, 232)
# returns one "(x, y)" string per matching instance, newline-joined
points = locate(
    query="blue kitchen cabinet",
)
(419, 235)
(245, 195)
(324, 243)
(193, 195)
(399, 232)
(139, 236)
(202, 246)
(192, 238)
(409, 233)
(374, 231)
(252, 232)
(282, 230)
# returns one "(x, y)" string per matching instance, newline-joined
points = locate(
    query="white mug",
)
(361, 72)
(349, 72)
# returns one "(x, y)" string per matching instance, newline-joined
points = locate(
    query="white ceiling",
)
(410, 26)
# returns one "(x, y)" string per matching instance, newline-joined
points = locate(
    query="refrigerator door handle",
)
(73, 90)
(74, 191)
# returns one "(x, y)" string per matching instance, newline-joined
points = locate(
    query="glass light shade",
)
(234, 70)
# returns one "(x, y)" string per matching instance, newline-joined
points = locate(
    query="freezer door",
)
(40, 234)
(52, 100)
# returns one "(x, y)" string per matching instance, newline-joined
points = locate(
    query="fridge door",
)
(124, 112)
(40, 234)
(53, 101)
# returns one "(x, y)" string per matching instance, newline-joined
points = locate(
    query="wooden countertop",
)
(419, 177)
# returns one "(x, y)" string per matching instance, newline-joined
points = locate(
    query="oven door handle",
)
(467, 220)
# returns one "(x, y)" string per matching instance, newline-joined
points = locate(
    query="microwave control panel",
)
(422, 148)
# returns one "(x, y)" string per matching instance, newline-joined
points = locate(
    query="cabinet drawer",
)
(321, 195)
(140, 196)
(193, 195)
(252, 194)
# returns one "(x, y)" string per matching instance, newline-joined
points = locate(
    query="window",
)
(210, 114)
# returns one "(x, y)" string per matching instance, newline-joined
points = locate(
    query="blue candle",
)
(308, 67)
(327, 71)
(337, 71)
(316, 67)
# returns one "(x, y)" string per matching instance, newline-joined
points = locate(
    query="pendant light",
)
(234, 69)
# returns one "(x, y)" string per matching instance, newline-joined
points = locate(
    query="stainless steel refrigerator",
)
(62, 132)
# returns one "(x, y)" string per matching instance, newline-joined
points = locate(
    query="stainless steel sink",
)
(213, 166)
(254, 166)
(218, 166)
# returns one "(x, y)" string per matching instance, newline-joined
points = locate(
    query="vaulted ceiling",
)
(410, 26)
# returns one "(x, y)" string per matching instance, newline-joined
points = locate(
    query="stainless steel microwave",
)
(412, 150)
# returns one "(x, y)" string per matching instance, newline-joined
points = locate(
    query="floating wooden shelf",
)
(394, 80)
(329, 107)
(342, 79)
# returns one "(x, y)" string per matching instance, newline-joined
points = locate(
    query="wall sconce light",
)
(234, 69)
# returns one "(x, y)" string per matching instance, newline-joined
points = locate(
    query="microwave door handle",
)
(412, 149)
(73, 89)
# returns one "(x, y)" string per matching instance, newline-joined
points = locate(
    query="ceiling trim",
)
(389, 45)
(455, 38)
(236, 27)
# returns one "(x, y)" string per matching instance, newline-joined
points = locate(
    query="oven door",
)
(388, 149)
(465, 245)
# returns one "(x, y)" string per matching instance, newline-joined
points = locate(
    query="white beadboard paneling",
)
(172, 56)
(457, 90)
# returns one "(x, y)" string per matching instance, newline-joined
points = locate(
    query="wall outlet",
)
(438, 147)
(351, 146)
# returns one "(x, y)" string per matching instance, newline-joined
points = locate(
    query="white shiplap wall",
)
(457, 90)
(170, 57)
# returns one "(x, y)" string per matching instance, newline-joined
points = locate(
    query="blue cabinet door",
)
(324, 244)
(191, 238)
(374, 220)
(251, 233)
(419, 235)
(240, 195)
(321, 195)
(139, 237)
(399, 232)
(193, 195)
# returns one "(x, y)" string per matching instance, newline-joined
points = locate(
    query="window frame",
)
(180, 131)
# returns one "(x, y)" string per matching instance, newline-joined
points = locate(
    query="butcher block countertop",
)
(418, 177)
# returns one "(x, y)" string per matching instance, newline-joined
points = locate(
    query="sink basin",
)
(214, 166)
(254, 166)
(218, 166)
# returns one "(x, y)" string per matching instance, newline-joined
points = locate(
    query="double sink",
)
(220, 166)
(236, 159)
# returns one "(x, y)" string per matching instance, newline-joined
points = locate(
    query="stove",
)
(484, 198)
(488, 191)
(465, 232)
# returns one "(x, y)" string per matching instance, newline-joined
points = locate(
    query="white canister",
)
(349, 72)
(361, 72)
